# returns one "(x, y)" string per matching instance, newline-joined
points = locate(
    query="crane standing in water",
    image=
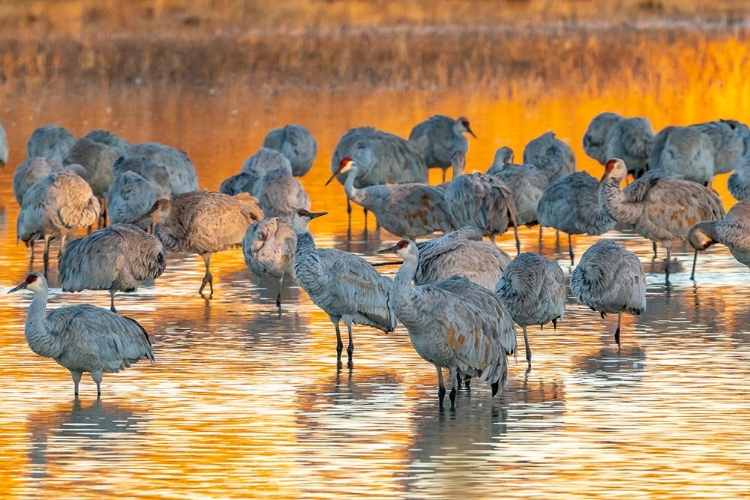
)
(438, 137)
(269, 247)
(732, 231)
(82, 338)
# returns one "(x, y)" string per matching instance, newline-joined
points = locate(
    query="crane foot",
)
(453, 398)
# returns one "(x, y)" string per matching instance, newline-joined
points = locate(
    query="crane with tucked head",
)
(82, 338)
(269, 247)
(50, 141)
(296, 143)
(732, 231)
(438, 137)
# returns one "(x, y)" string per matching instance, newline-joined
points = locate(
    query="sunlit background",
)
(245, 402)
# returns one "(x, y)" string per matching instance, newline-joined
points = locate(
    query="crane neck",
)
(402, 283)
(352, 193)
(40, 340)
(613, 200)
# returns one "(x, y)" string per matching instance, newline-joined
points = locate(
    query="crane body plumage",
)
(153, 172)
(269, 247)
(461, 253)
(183, 177)
(118, 258)
(728, 140)
(130, 195)
(596, 137)
(733, 231)
(526, 184)
(685, 151)
(532, 289)
(343, 285)
(630, 139)
(297, 144)
(30, 171)
(739, 181)
(280, 194)
(50, 141)
(550, 155)
(438, 137)
(82, 338)
(610, 279)
(454, 324)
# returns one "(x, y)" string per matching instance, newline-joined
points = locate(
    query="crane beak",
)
(314, 215)
(393, 249)
(22, 286)
(471, 132)
(337, 172)
(601, 181)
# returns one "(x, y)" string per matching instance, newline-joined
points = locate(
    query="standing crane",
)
(610, 279)
(55, 206)
(82, 338)
(454, 324)
(480, 200)
(532, 289)
(280, 194)
(438, 137)
(662, 209)
(550, 155)
(50, 141)
(118, 258)
(732, 231)
(728, 139)
(343, 285)
(269, 247)
(254, 168)
(571, 205)
(596, 138)
(461, 253)
(183, 177)
(738, 183)
(130, 196)
(31, 171)
(383, 158)
(526, 184)
(631, 139)
(204, 222)
(296, 143)
(147, 168)
(411, 209)
(685, 151)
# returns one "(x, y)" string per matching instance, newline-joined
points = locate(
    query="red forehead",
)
(30, 279)
(610, 164)
(402, 244)
(344, 161)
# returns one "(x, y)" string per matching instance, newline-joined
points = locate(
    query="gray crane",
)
(662, 209)
(144, 166)
(532, 289)
(728, 138)
(55, 206)
(130, 196)
(297, 144)
(550, 155)
(50, 141)
(438, 137)
(685, 151)
(383, 158)
(279, 193)
(732, 231)
(97, 159)
(526, 184)
(82, 338)
(480, 200)
(461, 253)
(269, 247)
(596, 137)
(571, 204)
(609, 279)
(182, 174)
(118, 258)
(255, 167)
(411, 209)
(31, 171)
(739, 181)
(3, 147)
(109, 139)
(343, 285)
(204, 222)
(631, 139)
(454, 324)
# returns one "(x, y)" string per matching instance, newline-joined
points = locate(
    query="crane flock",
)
(458, 296)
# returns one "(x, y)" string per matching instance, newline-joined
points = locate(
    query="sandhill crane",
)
(596, 138)
(343, 285)
(383, 158)
(269, 247)
(480, 200)
(610, 279)
(461, 253)
(54, 207)
(732, 231)
(571, 205)
(238, 183)
(130, 196)
(97, 159)
(411, 209)
(438, 137)
(109, 139)
(255, 167)
(728, 140)
(550, 155)
(631, 139)
(82, 338)
(662, 209)
(182, 174)
(685, 151)
(526, 184)
(739, 182)
(50, 141)
(280, 194)
(144, 166)
(454, 324)
(296, 143)
(532, 289)
(204, 222)
(3, 147)
(118, 258)
(30, 171)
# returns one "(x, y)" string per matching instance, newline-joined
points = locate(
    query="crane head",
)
(345, 165)
(33, 282)
(614, 168)
(466, 127)
(301, 218)
(398, 247)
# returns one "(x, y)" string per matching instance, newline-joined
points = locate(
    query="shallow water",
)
(245, 401)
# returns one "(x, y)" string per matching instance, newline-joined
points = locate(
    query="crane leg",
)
(339, 344)
(617, 332)
(669, 261)
(570, 250)
(112, 301)
(45, 257)
(365, 219)
(452, 395)
(76, 379)
(518, 242)
(278, 297)
(207, 278)
(349, 212)
(441, 387)
(97, 376)
(528, 349)
(654, 244)
(63, 239)
(695, 259)
(350, 348)
(444, 171)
